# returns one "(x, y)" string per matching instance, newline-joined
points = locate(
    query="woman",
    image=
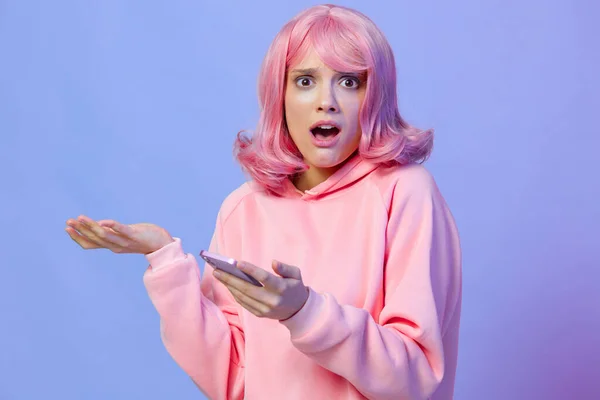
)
(364, 296)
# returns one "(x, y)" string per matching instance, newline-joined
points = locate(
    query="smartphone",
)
(228, 265)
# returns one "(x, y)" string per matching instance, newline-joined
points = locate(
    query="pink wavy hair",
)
(345, 40)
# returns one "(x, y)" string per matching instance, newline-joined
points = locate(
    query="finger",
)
(236, 295)
(95, 232)
(257, 293)
(287, 271)
(102, 236)
(122, 229)
(270, 281)
(80, 240)
(255, 307)
(249, 308)
(84, 232)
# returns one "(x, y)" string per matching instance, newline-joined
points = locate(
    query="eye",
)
(350, 82)
(303, 81)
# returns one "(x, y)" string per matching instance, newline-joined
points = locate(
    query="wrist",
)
(301, 306)
(167, 240)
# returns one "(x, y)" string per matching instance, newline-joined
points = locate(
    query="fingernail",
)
(217, 274)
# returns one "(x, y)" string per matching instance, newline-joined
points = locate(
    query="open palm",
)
(141, 238)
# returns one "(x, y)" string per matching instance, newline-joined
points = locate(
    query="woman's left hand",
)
(280, 298)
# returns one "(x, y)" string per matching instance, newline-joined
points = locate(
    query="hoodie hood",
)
(352, 171)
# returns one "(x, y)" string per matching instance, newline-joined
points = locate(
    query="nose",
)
(326, 101)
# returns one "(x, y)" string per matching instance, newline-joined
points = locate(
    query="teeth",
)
(326, 126)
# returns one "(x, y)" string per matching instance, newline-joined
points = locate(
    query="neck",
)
(316, 175)
(313, 177)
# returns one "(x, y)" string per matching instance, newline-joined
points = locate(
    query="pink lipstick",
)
(325, 133)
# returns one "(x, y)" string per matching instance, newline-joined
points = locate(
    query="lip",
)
(330, 142)
(325, 122)
(324, 142)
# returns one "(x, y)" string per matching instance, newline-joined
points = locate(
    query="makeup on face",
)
(322, 108)
(325, 133)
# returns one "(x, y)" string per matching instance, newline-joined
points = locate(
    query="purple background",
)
(128, 110)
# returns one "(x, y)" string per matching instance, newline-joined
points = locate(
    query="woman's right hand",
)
(119, 238)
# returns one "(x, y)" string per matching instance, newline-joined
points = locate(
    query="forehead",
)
(310, 60)
(311, 64)
(329, 57)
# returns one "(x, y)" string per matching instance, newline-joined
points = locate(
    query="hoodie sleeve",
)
(399, 354)
(199, 322)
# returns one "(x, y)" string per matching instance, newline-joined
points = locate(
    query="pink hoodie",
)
(379, 250)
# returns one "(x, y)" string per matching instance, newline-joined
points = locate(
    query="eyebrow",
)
(312, 71)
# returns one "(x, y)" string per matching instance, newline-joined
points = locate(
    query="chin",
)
(326, 158)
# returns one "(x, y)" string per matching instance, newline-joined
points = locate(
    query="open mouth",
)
(325, 132)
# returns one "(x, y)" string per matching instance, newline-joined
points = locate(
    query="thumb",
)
(287, 271)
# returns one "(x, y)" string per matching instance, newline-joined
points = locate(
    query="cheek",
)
(297, 109)
(300, 100)
(350, 101)
(293, 120)
(351, 110)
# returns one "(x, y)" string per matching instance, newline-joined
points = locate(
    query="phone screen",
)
(228, 265)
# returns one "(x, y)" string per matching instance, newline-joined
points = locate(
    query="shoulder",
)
(411, 195)
(242, 193)
(402, 182)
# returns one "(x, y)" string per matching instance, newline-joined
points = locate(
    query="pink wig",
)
(345, 40)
